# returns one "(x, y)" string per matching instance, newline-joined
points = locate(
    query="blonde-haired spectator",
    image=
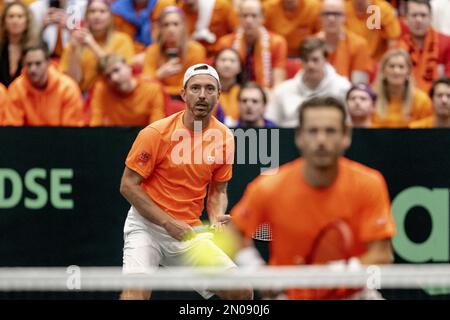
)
(89, 44)
(120, 99)
(399, 102)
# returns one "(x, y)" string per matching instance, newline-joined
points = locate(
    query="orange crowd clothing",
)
(276, 49)
(195, 53)
(421, 108)
(176, 185)
(297, 212)
(5, 103)
(117, 42)
(139, 108)
(59, 104)
(377, 38)
(435, 51)
(224, 20)
(229, 102)
(27, 2)
(352, 54)
(122, 25)
(429, 122)
(295, 25)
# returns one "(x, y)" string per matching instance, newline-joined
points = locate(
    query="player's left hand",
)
(221, 222)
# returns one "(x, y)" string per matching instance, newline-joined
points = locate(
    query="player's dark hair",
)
(320, 102)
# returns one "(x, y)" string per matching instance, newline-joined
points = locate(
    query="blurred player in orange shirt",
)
(263, 53)
(303, 196)
(348, 52)
(440, 95)
(120, 99)
(169, 169)
(292, 19)
(42, 96)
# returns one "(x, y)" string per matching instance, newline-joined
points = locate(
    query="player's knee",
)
(135, 295)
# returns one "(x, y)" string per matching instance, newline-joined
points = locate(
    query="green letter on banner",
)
(57, 188)
(36, 188)
(16, 193)
(436, 202)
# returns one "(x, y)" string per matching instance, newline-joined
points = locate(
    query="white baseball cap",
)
(201, 68)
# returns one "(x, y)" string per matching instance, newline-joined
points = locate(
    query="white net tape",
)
(112, 278)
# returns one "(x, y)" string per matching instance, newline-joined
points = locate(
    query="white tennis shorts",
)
(147, 245)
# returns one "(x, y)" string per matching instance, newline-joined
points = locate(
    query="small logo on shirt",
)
(211, 159)
(380, 221)
(144, 157)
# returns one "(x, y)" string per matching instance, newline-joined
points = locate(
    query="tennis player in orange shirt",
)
(166, 182)
(309, 193)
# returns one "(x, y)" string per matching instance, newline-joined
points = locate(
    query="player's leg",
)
(140, 254)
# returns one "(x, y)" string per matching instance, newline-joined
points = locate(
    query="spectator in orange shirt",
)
(310, 193)
(167, 190)
(429, 49)
(16, 31)
(292, 19)
(119, 99)
(89, 44)
(398, 100)
(228, 65)
(361, 105)
(348, 52)
(168, 59)
(5, 102)
(42, 96)
(440, 95)
(263, 53)
(375, 21)
(209, 20)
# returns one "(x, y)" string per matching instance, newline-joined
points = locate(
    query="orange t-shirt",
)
(195, 53)
(295, 25)
(141, 107)
(352, 54)
(224, 20)
(421, 108)
(178, 185)
(229, 102)
(297, 212)
(428, 122)
(118, 42)
(277, 47)
(59, 104)
(389, 26)
(5, 103)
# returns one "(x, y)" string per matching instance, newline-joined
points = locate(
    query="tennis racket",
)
(333, 243)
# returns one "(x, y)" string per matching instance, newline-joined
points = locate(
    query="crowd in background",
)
(121, 62)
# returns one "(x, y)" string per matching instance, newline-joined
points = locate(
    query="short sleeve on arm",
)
(376, 220)
(144, 153)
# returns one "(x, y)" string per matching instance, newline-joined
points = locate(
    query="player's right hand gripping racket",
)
(333, 243)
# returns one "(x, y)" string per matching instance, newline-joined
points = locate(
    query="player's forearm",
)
(379, 252)
(216, 205)
(145, 205)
